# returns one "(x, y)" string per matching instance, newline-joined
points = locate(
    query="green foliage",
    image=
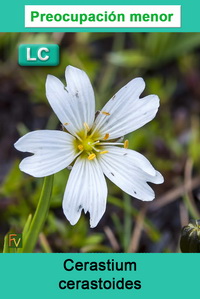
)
(155, 49)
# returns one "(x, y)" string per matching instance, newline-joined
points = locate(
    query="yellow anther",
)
(105, 113)
(86, 126)
(126, 144)
(80, 147)
(106, 136)
(91, 156)
(103, 152)
(65, 124)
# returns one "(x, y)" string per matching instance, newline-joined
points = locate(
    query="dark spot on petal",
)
(79, 208)
(106, 121)
(113, 97)
(135, 192)
(76, 94)
(66, 89)
(112, 174)
(97, 113)
(125, 154)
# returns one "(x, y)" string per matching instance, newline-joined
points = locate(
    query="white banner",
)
(102, 16)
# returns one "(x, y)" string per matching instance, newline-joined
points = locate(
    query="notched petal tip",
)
(156, 99)
(16, 145)
(140, 80)
(73, 218)
(159, 179)
(23, 168)
(29, 168)
(21, 143)
(94, 221)
(70, 67)
(52, 82)
(148, 197)
(136, 83)
(49, 78)
(75, 77)
(93, 225)
(72, 221)
(76, 217)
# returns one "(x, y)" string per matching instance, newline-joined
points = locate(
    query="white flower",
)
(93, 144)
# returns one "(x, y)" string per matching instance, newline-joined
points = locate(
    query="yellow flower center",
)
(87, 144)
(90, 144)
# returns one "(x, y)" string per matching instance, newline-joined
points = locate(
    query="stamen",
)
(105, 113)
(78, 137)
(103, 152)
(65, 124)
(91, 156)
(96, 150)
(98, 126)
(86, 127)
(110, 143)
(80, 147)
(106, 136)
(126, 142)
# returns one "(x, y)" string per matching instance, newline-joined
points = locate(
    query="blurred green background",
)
(170, 66)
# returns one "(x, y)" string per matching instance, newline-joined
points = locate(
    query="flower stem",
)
(39, 217)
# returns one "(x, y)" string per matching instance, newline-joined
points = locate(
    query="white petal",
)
(157, 179)
(127, 112)
(123, 167)
(80, 88)
(74, 104)
(136, 159)
(86, 189)
(59, 101)
(53, 151)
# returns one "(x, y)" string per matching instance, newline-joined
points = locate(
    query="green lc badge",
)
(38, 55)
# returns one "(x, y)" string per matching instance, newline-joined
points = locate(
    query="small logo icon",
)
(38, 55)
(14, 240)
